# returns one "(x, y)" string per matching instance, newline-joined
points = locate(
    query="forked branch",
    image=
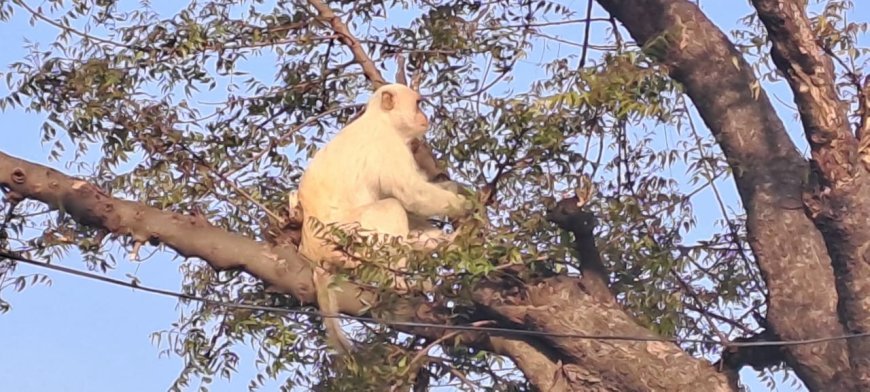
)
(810, 74)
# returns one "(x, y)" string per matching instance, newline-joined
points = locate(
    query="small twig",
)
(423, 352)
(617, 36)
(39, 15)
(12, 201)
(288, 134)
(586, 20)
(502, 168)
(417, 78)
(719, 317)
(229, 182)
(586, 34)
(691, 292)
(861, 90)
(462, 377)
(732, 227)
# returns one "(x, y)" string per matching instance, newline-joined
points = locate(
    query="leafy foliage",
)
(214, 109)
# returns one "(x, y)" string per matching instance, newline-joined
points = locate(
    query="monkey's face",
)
(417, 123)
(403, 107)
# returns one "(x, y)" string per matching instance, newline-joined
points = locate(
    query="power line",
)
(498, 330)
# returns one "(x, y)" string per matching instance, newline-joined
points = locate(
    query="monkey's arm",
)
(426, 199)
(419, 196)
(455, 187)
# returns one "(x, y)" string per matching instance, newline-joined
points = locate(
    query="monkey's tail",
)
(328, 303)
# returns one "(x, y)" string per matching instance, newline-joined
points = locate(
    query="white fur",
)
(367, 176)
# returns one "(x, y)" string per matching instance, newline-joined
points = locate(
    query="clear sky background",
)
(81, 335)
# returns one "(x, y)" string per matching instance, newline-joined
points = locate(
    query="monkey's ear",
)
(388, 101)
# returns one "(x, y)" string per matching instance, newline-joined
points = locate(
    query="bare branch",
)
(360, 56)
(810, 73)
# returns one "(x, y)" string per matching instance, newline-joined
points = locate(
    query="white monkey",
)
(367, 176)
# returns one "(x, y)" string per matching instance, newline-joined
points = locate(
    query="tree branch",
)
(842, 209)
(810, 73)
(768, 171)
(360, 56)
(560, 305)
(595, 277)
(189, 236)
(562, 362)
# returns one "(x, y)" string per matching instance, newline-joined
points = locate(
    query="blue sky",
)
(80, 335)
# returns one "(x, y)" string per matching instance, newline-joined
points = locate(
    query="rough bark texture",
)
(546, 371)
(842, 209)
(557, 305)
(595, 277)
(810, 73)
(769, 173)
(561, 306)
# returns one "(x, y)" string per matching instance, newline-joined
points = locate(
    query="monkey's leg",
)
(385, 216)
(389, 217)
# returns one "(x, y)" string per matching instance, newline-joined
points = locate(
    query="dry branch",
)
(340, 28)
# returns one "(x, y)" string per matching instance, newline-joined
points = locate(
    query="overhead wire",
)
(453, 327)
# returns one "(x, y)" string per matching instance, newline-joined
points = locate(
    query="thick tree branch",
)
(543, 368)
(561, 306)
(842, 211)
(189, 236)
(768, 172)
(810, 73)
(558, 363)
(595, 277)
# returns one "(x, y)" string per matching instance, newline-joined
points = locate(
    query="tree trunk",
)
(769, 173)
(841, 209)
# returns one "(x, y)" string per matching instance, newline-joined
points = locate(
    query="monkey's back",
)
(344, 176)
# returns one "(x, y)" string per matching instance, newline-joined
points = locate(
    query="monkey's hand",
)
(455, 187)
(465, 206)
(461, 208)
